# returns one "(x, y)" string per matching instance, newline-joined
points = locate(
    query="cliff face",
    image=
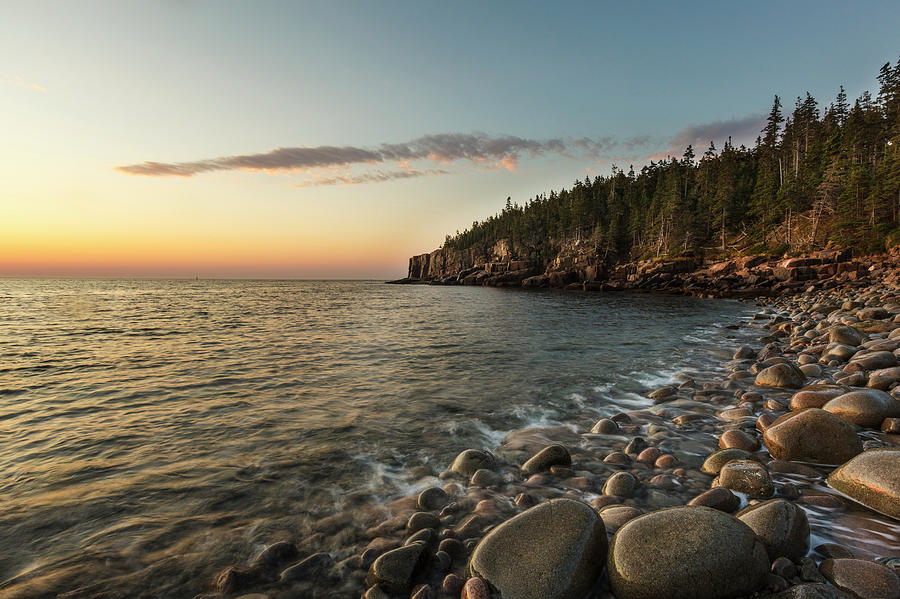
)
(579, 265)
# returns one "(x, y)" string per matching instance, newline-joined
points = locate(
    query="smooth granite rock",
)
(746, 476)
(471, 460)
(713, 464)
(811, 590)
(815, 396)
(782, 526)
(718, 498)
(556, 549)
(686, 553)
(872, 478)
(812, 435)
(866, 407)
(621, 484)
(781, 375)
(552, 455)
(394, 570)
(862, 578)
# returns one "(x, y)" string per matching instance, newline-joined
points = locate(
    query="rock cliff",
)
(580, 265)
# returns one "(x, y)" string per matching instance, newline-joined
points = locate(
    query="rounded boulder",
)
(873, 479)
(686, 553)
(471, 460)
(555, 549)
(781, 375)
(782, 526)
(812, 435)
(866, 408)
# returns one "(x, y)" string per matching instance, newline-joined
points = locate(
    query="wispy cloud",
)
(19, 82)
(741, 130)
(374, 177)
(440, 154)
(445, 148)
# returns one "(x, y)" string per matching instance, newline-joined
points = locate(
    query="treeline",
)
(813, 176)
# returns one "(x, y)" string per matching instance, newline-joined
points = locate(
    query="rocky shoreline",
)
(579, 268)
(779, 480)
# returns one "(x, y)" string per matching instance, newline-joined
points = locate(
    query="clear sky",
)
(335, 139)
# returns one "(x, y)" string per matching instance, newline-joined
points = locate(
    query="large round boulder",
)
(555, 549)
(866, 407)
(781, 375)
(873, 479)
(812, 435)
(781, 526)
(686, 553)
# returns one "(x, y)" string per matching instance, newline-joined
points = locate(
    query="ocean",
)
(153, 432)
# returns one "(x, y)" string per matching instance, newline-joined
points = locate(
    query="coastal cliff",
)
(580, 266)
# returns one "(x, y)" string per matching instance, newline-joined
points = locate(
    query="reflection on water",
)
(154, 431)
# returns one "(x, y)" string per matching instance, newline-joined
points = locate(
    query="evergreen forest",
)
(817, 176)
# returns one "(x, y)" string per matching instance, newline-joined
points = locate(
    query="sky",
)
(335, 139)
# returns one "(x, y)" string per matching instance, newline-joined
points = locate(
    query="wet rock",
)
(891, 425)
(781, 375)
(834, 550)
(470, 460)
(663, 394)
(649, 455)
(376, 592)
(862, 578)
(666, 461)
(844, 334)
(421, 520)
(553, 455)
(636, 446)
(620, 484)
(433, 498)
(872, 361)
(615, 516)
(605, 426)
(811, 591)
(746, 476)
(782, 526)
(274, 555)
(452, 584)
(555, 549)
(394, 570)
(308, 569)
(714, 463)
(236, 578)
(475, 588)
(718, 498)
(736, 438)
(686, 552)
(784, 568)
(744, 352)
(872, 313)
(872, 478)
(866, 408)
(485, 478)
(618, 458)
(815, 396)
(812, 435)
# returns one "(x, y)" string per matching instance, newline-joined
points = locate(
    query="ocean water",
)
(152, 432)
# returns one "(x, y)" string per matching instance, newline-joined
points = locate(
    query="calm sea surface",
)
(143, 420)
